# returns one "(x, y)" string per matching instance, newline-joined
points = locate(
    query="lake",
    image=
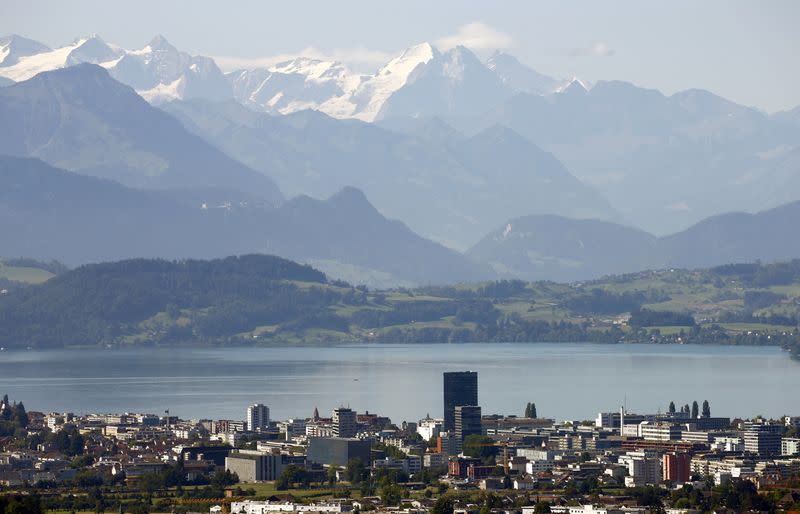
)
(566, 381)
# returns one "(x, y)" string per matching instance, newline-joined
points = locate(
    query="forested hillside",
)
(257, 299)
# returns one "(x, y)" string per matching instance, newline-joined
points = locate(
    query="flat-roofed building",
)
(675, 467)
(338, 451)
(258, 417)
(343, 422)
(468, 422)
(790, 446)
(460, 388)
(254, 466)
(762, 438)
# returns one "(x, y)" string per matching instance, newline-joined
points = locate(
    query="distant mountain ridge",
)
(158, 71)
(451, 82)
(664, 161)
(456, 147)
(46, 212)
(452, 189)
(557, 248)
(81, 119)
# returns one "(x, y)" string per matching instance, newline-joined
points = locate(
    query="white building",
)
(344, 422)
(660, 431)
(258, 417)
(538, 466)
(632, 430)
(588, 509)
(434, 460)
(644, 468)
(294, 427)
(728, 444)
(429, 428)
(318, 430)
(411, 464)
(264, 507)
(790, 446)
(538, 454)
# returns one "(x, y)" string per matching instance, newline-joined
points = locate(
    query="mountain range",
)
(50, 213)
(663, 162)
(81, 119)
(536, 176)
(556, 248)
(454, 82)
(452, 191)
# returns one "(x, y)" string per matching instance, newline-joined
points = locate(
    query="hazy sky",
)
(745, 51)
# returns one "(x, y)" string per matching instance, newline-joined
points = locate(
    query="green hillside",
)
(259, 299)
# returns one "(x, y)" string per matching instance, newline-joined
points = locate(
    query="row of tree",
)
(694, 411)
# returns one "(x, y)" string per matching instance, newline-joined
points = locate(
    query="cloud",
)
(476, 36)
(598, 49)
(356, 58)
(679, 206)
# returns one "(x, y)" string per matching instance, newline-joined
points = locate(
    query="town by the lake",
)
(459, 460)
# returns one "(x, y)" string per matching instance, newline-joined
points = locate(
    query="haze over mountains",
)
(81, 119)
(538, 177)
(451, 191)
(51, 213)
(547, 247)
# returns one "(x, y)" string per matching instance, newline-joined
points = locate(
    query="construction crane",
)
(504, 445)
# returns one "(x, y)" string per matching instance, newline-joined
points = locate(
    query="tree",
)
(671, 409)
(391, 494)
(695, 410)
(99, 500)
(355, 471)
(541, 507)
(150, 483)
(20, 417)
(75, 445)
(20, 504)
(685, 408)
(443, 505)
(331, 475)
(706, 409)
(530, 410)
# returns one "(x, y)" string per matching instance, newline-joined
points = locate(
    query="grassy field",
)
(670, 330)
(754, 327)
(268, 489)
(26, 275)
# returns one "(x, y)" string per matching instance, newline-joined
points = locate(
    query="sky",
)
(744, 51)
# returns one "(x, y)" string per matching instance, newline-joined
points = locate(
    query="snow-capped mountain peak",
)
(14, 47)
(313, 69)
(402, 65)
(520, 77)
(86, 49)
(575, 85)
(420, 80)
(159, 42)
(92, 49)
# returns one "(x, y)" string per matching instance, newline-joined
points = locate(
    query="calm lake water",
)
(566, 381)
